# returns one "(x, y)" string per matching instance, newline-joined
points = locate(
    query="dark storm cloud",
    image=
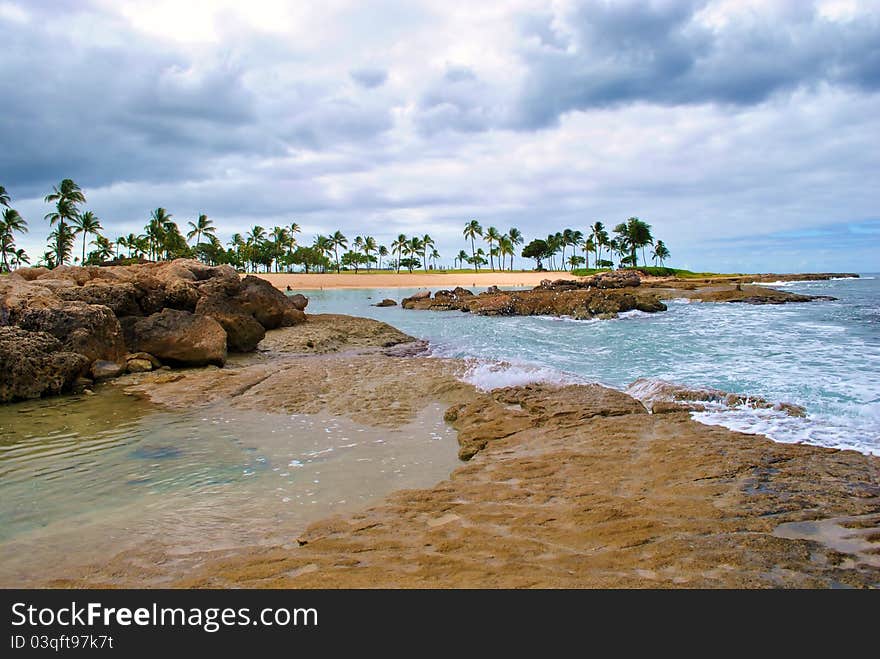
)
(620, 53)
(369, 77)
(130, 109)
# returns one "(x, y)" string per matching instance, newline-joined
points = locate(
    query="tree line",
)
(278, 249)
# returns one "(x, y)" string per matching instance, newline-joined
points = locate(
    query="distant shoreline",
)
(303, 282)
(483, 279)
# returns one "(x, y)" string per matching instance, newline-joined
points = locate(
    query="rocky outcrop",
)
(89, 329)
(33, 364)
(387, 302)
(243, 331)
(544, 300)
(661, 397)
(183, 312)
(754, 295)
(178, 337)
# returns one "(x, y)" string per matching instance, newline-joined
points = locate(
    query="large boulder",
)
(89, 329)
(243, 332)
(34, 363)
(120, 297)
(263, 301)
(177, 337)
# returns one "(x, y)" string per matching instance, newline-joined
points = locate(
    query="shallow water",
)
(824, 356)
(82, 480)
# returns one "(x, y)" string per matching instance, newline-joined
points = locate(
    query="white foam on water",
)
(827, 431)
(489, 375)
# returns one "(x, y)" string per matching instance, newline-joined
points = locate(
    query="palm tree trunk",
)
(84, 249)
(474, 253)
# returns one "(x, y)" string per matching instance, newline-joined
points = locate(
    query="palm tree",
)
(339, 241)
(200, 226)
(661, 253)
(471, 230)
(506, 248)
(600, 239)
(461, 258)
(427, 242)
(280, 238)
(567, 239)
(435, 256)
(370, 246)
(105, 247)
(414, 248)
(4, 197)
(492, 236)
(254, 241)
(382, 252)
(12, 222)
(632, 234)
(66, 196)
(589, 245)
(357, 245)
(516, 238)
(19, 257)
(157, 230)
(554, 243)
(87, 224)
(398, 246)
(324, 245)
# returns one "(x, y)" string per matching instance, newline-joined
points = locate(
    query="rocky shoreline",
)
(607, 295)
(563, 486)
(64, 329)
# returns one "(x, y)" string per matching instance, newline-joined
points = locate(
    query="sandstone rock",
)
(120, 297)
(139, 365)
(387, 302)
(91, 330)
(104, 370)
(299, 301)
(34, 363)
(263, 301)
(144, 356)
(243, 332)
(29, 274)
(177, 337)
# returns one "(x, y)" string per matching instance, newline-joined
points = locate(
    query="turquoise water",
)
(824, 356)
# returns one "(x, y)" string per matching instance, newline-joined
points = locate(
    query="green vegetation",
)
(278, 250)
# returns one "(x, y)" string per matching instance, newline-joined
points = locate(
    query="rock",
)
(661, 397)
(29, 274)
(177, 337)
(298, 301)
(139, 365)
(292, 317)
(616, 279)
(493, 290)
(104, 370)
(144, 356)
(243, 332)
(120, 297)
(416, 297)
(263, 301)
(33, 364)
(89, 329)
(387, 302)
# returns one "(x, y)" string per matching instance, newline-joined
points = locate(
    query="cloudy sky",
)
(746, 132)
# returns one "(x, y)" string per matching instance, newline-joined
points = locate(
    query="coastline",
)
(483, 279)
(565, 486)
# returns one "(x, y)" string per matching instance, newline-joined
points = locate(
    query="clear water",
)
(83, 479)
(824, 356)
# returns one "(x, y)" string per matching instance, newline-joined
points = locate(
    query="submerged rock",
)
(387, 302)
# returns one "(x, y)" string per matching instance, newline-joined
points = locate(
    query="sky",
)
(747, 133)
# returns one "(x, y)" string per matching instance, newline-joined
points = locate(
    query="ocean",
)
(824, 356)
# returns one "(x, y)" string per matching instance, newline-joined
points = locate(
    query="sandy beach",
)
(302, 282)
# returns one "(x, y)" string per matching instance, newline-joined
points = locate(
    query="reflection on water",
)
(83, 479)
